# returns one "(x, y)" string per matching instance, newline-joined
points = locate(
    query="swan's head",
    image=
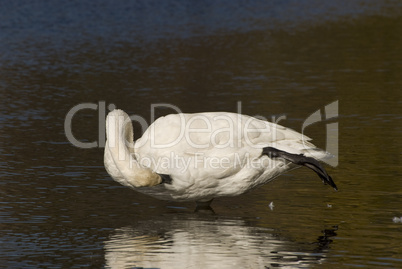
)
(119, 160)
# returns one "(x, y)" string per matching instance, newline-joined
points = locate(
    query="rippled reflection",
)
(207, 243)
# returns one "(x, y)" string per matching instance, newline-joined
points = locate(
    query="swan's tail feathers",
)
(301, 159)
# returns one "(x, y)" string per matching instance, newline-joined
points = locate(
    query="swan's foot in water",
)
(300, 159)
(204, 207)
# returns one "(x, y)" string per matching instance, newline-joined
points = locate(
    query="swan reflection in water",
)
(218, 243)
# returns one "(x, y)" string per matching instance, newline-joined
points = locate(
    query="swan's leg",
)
(300, 159)
(204, 206)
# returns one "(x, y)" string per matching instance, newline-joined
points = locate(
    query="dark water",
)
(59, 208)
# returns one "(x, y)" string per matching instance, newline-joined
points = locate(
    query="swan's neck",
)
(120, 161)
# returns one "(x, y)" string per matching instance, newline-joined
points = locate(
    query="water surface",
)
(61, 209)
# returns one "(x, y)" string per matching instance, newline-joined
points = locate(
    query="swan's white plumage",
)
(206, 154)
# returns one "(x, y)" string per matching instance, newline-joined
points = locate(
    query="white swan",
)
(197, 157)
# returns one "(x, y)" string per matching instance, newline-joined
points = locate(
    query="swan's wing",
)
(210, 144)
(213, 129)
